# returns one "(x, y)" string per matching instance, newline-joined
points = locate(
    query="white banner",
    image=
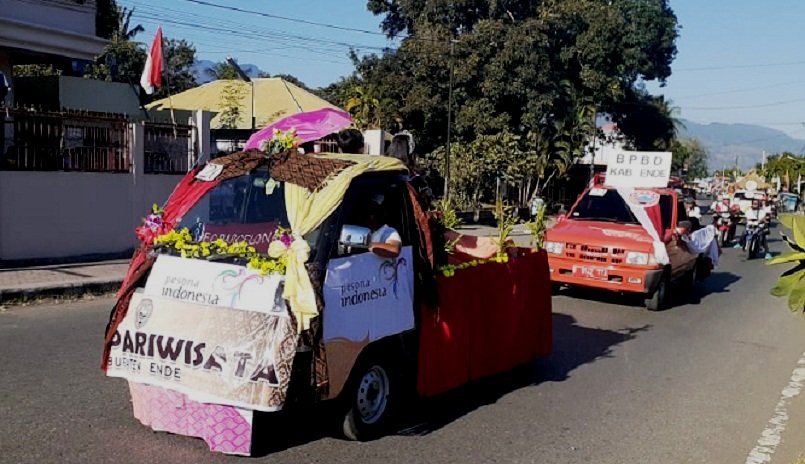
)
(367, 297)
(210, 353)
(215, 284)
(639, 169)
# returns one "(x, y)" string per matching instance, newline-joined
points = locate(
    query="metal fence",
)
(64, 141)
(169, 149)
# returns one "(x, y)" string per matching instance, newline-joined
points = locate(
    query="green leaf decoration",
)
(787, 258)
(788, 281)
(798, 227)
(796, 300)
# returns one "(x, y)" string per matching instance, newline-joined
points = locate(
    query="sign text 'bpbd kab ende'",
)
(639, 169)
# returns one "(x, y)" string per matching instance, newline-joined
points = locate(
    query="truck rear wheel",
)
(371, 400)
(657, 300)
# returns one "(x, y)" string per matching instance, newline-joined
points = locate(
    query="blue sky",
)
(738, 61)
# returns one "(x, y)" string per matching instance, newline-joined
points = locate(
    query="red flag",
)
(152, 73)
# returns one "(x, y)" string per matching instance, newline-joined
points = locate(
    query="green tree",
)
(787, 166)
(180, 57)
(689, 156)
(223, 71)
(231, 103)
(518, 65)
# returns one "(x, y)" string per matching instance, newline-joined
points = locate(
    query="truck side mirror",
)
(353, 236)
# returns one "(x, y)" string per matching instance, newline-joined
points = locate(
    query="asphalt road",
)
(694, 384)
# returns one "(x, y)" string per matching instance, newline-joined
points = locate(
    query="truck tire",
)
(657, 300)
(372, 399)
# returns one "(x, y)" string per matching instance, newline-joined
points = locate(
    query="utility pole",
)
(449, 121)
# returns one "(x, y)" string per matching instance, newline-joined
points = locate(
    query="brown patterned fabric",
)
(313, 336)
(303, 170)
(307, 171)
(240, 163)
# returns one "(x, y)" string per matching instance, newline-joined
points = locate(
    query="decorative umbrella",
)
(311, 125)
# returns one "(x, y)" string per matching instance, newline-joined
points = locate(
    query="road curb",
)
(60, 290)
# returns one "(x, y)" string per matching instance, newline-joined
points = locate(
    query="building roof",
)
(274, 98)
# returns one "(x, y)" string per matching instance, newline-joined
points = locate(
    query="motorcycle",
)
(752, 238)
(726, 222)
(723, 226)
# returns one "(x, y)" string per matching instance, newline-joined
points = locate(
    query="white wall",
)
(71, 214)
(65, 15)
(62, 214)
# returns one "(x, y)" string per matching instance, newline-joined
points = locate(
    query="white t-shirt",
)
(755, 215)
(695, 212)
(385, 234)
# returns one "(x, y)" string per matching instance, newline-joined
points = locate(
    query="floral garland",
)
(275, 263)
(280, 142)
(153, 226)
(449, 270)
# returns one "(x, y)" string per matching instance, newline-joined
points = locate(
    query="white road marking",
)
(771, 436)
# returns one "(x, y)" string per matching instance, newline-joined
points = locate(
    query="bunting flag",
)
(152, 73)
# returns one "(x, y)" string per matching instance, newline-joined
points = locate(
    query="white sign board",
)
(210, 353)
(367, 297)
(216, 284)
(639, 169)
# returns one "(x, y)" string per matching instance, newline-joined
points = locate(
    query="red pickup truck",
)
(601, 244)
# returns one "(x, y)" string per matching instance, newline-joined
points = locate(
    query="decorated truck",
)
(257, 289)
(629, 233)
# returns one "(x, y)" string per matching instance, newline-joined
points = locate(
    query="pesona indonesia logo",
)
(390, 272)
(143, 312)
(230, 283)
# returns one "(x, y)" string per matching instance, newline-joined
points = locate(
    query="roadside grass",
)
(24, 301)
(800, 459)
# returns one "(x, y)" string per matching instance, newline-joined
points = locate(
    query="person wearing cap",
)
(384, 241)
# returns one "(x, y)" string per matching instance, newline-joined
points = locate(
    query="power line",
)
(744, 107)
(739, 66)
(746, 89)
(285, 18)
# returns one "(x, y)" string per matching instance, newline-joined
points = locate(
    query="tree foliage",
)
(123, 59)
(538, 72)
(689, 157)
(787, 166)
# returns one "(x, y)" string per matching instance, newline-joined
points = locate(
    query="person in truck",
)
(385, 241)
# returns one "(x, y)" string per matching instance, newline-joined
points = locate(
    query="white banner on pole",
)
(639, 169)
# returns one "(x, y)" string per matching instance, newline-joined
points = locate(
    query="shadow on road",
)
(573, 346)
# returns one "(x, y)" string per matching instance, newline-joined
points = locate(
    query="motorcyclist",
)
(759, 215)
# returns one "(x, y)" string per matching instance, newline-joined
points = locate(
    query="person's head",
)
(684, 227)
(690, 203)
(400, 149)
(374, 211)
(725, 201)
(755, 204)
(350, 141)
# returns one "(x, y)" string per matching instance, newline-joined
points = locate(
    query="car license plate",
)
(590, 272)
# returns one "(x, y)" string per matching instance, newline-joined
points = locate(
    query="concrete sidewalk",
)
(29, 283)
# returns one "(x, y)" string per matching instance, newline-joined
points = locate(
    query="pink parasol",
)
(310, 125)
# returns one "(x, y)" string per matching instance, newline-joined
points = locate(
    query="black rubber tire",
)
(751, 248)
(658, 299)
(355, 427)
(691, 277)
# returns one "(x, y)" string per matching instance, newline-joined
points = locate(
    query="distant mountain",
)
(746, 141)
(201, 68)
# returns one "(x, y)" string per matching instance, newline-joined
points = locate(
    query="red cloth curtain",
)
(490, 319)
(184, 197)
